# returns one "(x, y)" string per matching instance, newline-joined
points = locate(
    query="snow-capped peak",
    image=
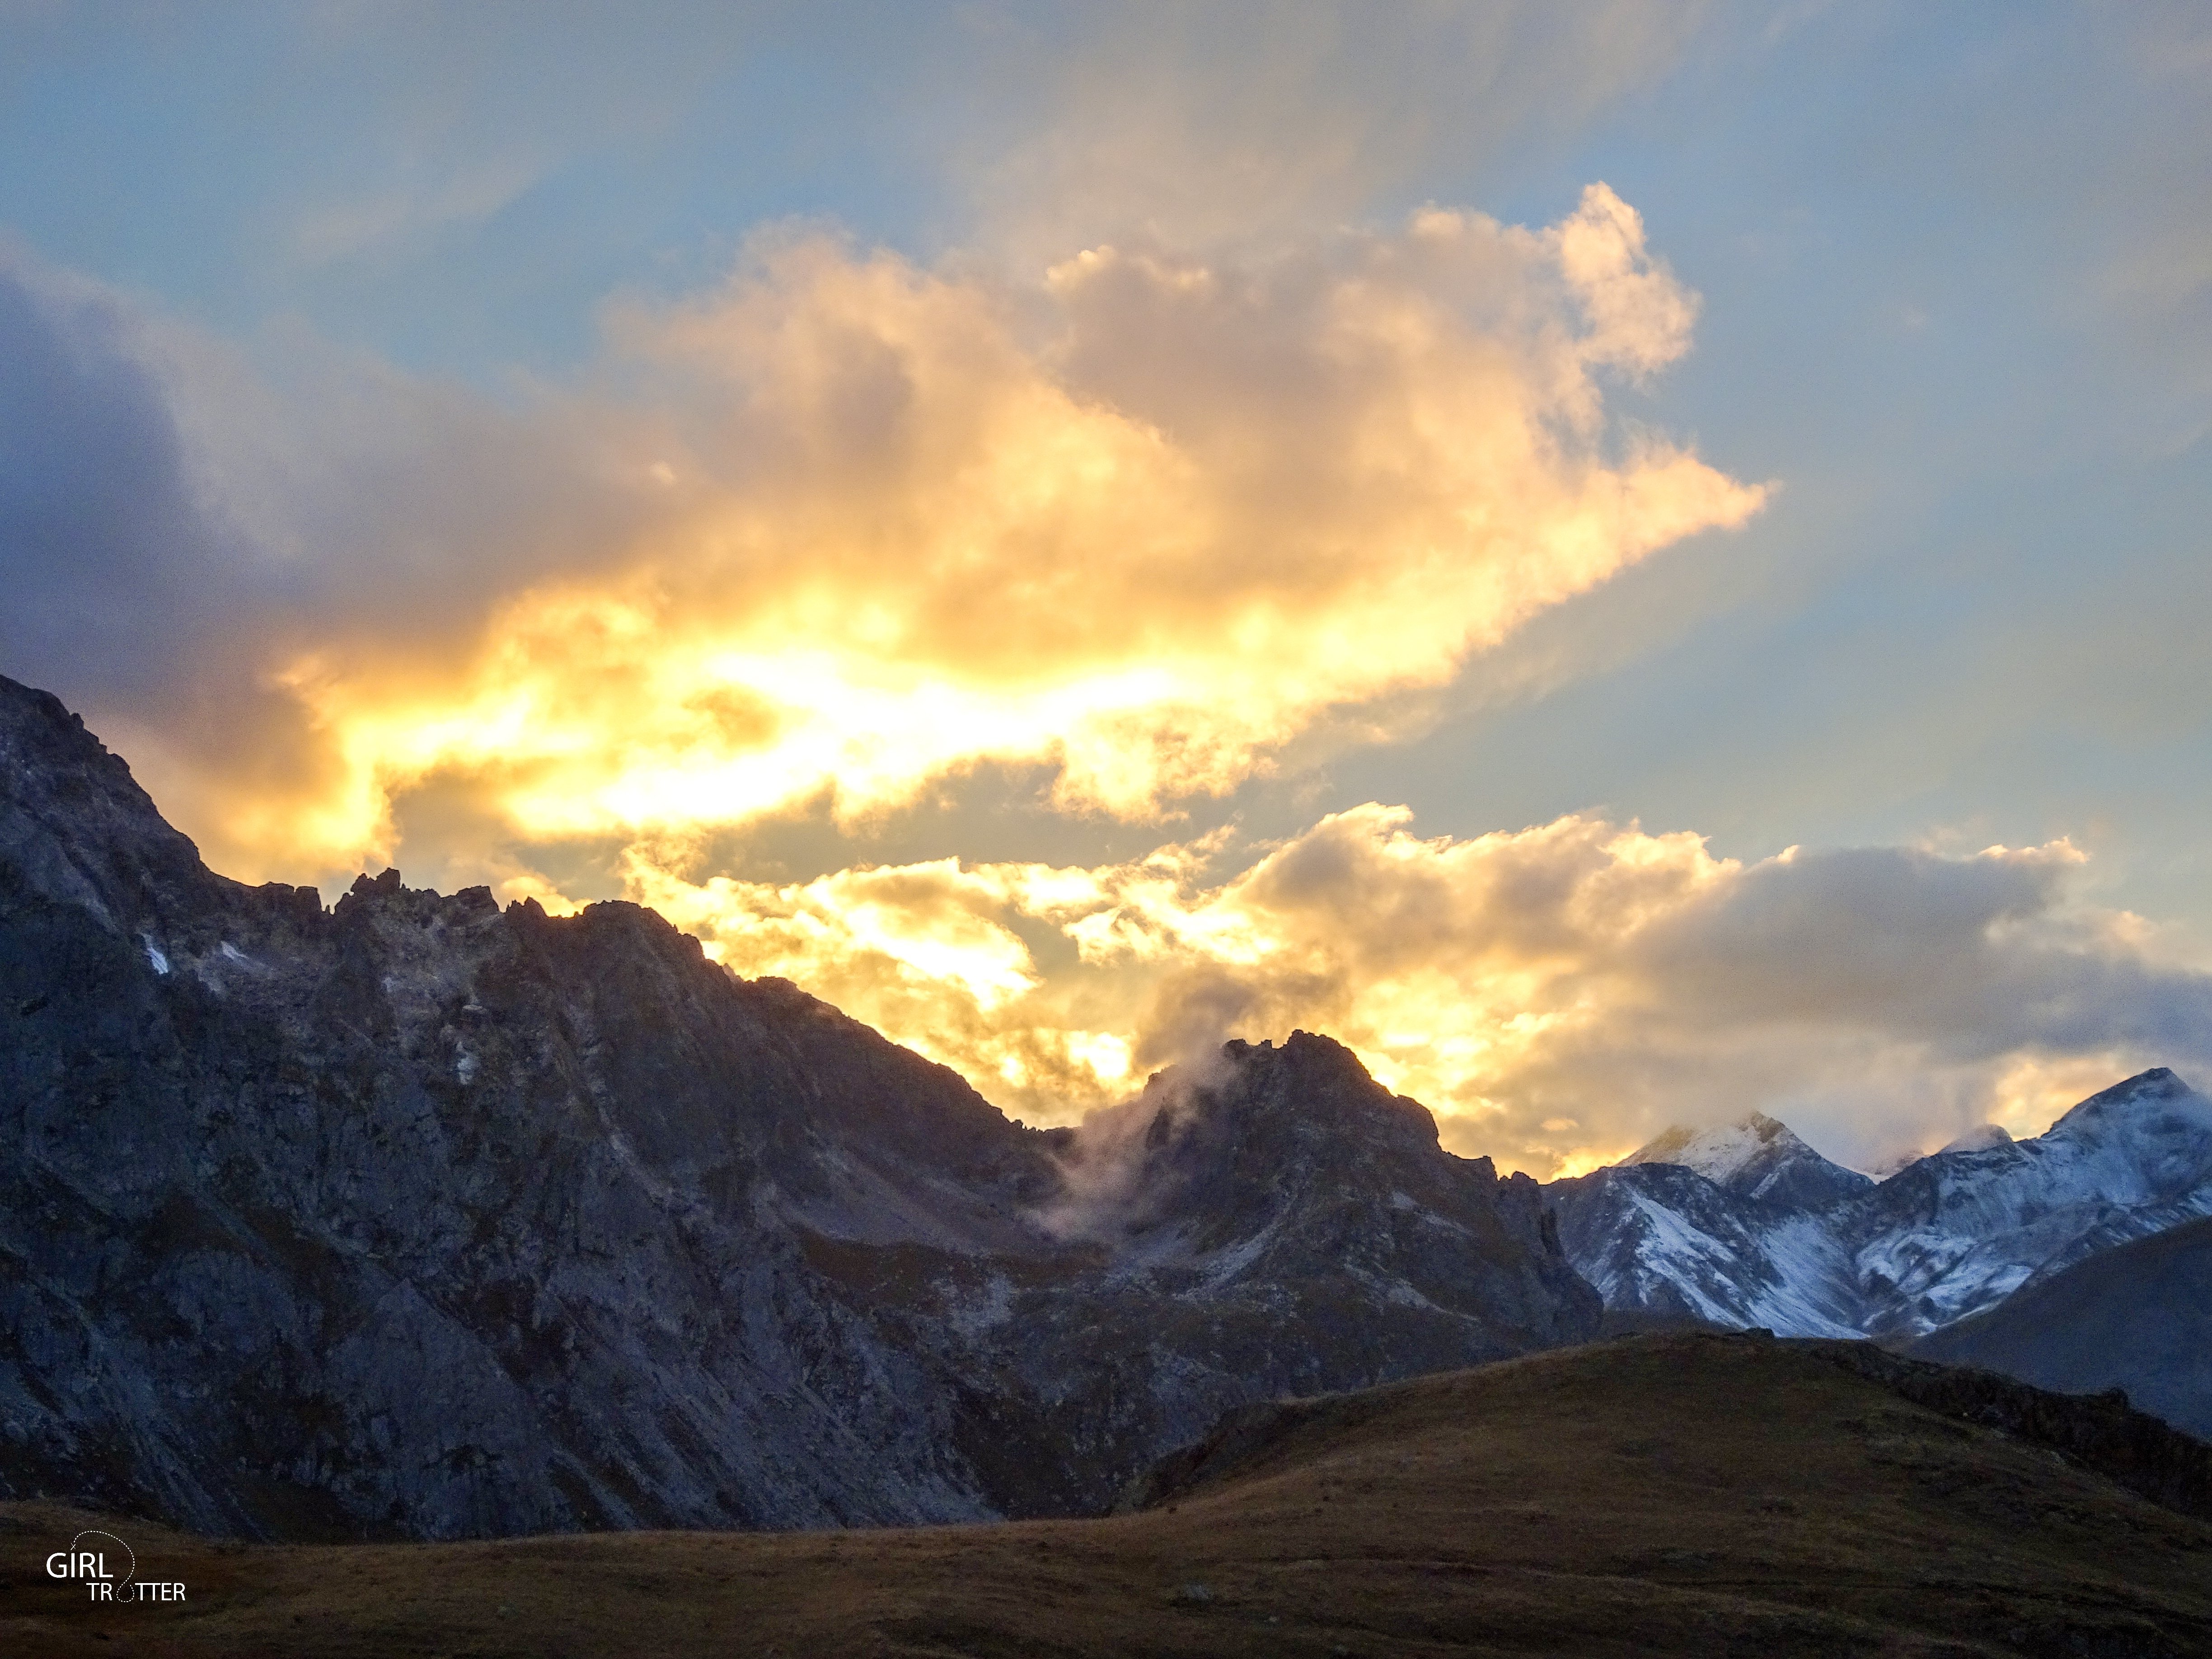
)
(1757, 1156)
(1979, 1139)
(2153, 1132)
(2148, 1101)
(1724, 1150)
(1945, 1236)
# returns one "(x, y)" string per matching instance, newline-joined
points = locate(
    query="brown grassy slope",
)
(1682, 1494)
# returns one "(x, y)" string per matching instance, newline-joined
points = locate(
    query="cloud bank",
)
(848, 527)
(1558, 994)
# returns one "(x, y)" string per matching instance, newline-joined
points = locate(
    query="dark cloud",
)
(1975, 957)
(112, 567)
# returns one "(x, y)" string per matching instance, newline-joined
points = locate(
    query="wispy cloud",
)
(397, 214)
(1200, 123)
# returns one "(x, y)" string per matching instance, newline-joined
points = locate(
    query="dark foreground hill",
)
(1660, 1495)
(416, 1216)
(2137, 1316)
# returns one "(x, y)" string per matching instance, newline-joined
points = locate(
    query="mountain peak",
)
(78, 826)
(1289, 1166)
(2152, 1125)
(1949, 1234)
(1238, 1133)
(2155, 1087)
(1758, 1156)
(1723, 1151)
(1982, 1138)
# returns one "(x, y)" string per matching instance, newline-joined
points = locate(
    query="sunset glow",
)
(916, 531)
(1632, 564)
(1564, 963)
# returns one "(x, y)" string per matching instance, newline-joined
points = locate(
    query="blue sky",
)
(1954, 288)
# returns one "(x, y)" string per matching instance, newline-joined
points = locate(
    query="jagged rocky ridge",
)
(1747, 1225)
(418, 1216)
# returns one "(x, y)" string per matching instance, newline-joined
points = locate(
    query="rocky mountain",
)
(1718, 1224)
(1723, 1225)
(1960, 1230)
(1747, 1226)
(416, 1215)
(2137, 1316)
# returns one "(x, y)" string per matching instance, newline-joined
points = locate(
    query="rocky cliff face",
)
(419, 1217)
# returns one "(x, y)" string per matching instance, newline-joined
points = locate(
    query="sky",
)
(1634, 562)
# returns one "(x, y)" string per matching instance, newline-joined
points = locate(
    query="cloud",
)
(1557, 993)
(131, 586)
(181, 528)
(837, 532)
(1212, 124)
(411, 209)
(849, 528)
(1143, 526)
(105, 550)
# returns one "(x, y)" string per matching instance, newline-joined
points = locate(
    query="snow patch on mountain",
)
(1962, 1229)
(1758, 1157)
(1746, 1225)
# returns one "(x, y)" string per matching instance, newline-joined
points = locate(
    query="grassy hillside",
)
(1685, 1493)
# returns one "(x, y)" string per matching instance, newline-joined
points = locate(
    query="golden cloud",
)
(1143, 526)
(1451, 967)
(1557, 993)
(856, 528)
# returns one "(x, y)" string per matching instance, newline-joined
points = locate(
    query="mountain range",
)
(416, 1215)
(419, 1217)
(1747, 1225)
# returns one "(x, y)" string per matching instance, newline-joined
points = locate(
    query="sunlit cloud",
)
(1143, 525)
(1557, 993)
(841, 533)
